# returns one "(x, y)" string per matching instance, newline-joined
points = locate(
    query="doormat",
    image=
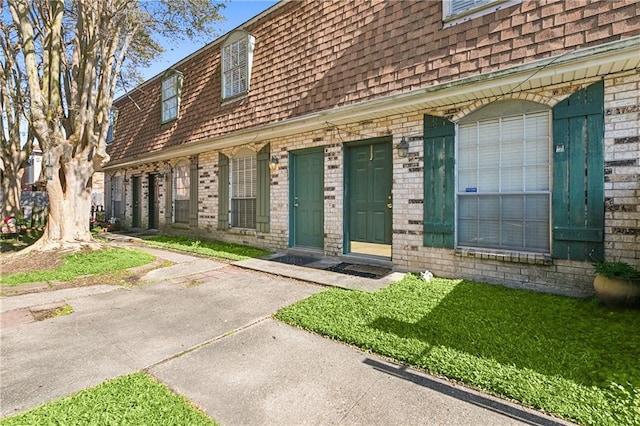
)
(290, 259)
(363, 271)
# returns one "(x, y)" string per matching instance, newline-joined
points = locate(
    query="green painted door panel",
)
(307, 199)
(370, 181)
(439, 183)
(136, 191)
(578, 175)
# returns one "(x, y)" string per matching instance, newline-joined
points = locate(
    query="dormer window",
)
(111, 131)
(171, 89)
(237, 57)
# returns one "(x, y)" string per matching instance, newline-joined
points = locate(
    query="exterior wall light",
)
(403, 147)
(274, 163)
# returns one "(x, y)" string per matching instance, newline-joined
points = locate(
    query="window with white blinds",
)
(181, 193)
(503, 182)
(459, 6)
(116, 197)
(244, 179)
(456, 11)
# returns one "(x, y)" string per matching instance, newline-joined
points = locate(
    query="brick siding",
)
(346, 67)
(312, 56)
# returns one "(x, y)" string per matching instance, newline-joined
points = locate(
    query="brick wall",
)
(622, 192)
(622, 168)
(511, 36)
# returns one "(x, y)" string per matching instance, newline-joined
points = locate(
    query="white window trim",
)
(233, 38)
(449, 19)
(480, 249)
(177, 77)
(113, 119)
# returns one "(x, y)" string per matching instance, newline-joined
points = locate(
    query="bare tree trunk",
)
(11, 192)
(69, 206)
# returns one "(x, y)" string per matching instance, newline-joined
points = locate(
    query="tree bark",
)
(69, 201)
(11, 192)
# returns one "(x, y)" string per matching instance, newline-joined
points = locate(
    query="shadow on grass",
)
(466, 395)
(554, 336)
(21, 241)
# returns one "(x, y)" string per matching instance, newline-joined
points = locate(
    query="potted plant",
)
(617, 284)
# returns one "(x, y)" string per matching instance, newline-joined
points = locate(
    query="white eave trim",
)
(619, 56)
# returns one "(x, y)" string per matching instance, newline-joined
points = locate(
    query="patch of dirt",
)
(44, 314)
(34, 261)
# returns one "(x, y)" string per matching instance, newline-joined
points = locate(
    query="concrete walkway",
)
(204, 328)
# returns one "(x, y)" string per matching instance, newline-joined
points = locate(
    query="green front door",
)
(369, 192)
(307, 199)
(136, 191)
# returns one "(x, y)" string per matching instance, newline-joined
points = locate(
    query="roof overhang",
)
(594, 62)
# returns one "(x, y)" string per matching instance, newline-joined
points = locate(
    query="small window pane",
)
(489, 180)
(459, 6)
(511, 234)
(512, 179)
(512, 207)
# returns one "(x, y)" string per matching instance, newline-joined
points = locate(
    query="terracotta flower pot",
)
(617, 291)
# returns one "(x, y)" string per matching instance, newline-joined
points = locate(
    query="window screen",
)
(181, 194)
(170, 98)
(243, 190)
(503, 182)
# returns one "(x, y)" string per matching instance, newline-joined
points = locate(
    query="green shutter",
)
(168, 198)
(107, 198)
(439, 183)
(223, 191)
(578, 175)
(263, 195)
(193, 192)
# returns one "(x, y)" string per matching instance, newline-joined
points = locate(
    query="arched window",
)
(244, 186)
(181, 193)
(503, 183)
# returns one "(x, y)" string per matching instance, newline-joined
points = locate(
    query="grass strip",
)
(135, 399)
(570, 357)
(81, 264)
(210, 248)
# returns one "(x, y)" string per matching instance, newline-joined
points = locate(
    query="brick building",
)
(492, 140)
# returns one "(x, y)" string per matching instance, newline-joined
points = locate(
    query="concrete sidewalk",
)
(204, 328)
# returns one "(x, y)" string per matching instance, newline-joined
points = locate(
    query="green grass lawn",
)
(135, 399)
(569, 357)
(216, 249)
(81, 264)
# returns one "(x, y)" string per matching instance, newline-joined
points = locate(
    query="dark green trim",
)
(292, 172)
(263, 195)
(168, 198)
(578, 176)
(223, 191)
(439, 182)
(346, 210)
(179, 81)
